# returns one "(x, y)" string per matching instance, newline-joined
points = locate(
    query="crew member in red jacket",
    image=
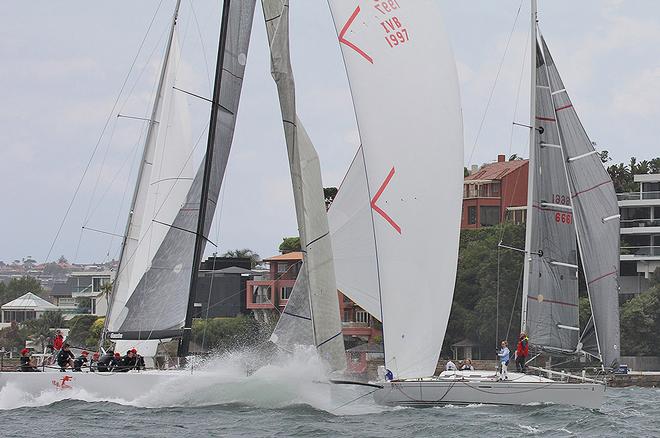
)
(58, 341)
(522, 351)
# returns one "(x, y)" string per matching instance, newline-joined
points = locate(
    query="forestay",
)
(596, 216)
(405, 91)
(317, 271)
(551, 286)
(151, 292)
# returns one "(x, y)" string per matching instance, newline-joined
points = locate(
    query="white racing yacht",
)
(399, 208)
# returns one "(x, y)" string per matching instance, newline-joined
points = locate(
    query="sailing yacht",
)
(390, 216)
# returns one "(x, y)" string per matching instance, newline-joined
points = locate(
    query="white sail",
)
(353, 243)
(405, 90)
(166, 177)
(318, 268)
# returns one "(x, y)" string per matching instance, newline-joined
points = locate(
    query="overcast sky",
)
(63, 64)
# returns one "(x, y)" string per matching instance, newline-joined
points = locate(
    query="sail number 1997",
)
(395, 32)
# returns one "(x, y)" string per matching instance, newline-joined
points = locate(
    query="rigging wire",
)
(497, 76)
(105, 126)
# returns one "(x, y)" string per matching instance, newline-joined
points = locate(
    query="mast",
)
(145, 151)
(531, 166)
(208, 163)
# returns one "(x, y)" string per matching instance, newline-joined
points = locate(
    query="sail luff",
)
(317, 270)
(142, 183)
(530, 174)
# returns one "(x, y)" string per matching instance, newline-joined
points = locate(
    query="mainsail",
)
(405, 91)
(595, 215)
(151, 300)
(550, 286)
(317, 276)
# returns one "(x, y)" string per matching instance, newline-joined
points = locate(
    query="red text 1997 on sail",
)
(395, 32)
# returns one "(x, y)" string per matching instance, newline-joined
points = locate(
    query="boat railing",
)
(566, 376)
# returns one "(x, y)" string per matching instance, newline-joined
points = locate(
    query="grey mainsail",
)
(550, 288)
(157, 306)
(596, 216)
(318, 266)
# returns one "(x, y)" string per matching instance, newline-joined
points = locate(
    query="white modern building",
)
(83, 292)
(640, 234)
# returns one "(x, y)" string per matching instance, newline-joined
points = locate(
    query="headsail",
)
(154, 303)
(550, 286)
(405, 91)
(317, 268)
(295, 324)
(596, 216)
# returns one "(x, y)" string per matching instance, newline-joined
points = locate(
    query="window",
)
(472, 215)
(281, 268)
(347, 316)
(362, 316)
(98, 282)
(285, 292)
(495, 189)
(489, 216)
(261, 295)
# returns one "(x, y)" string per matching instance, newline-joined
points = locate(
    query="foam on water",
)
(232, 378)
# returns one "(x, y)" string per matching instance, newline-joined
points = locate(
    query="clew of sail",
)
(404, 85)
(317, 272)
(151, 300)
(596, 216)
(550, 287)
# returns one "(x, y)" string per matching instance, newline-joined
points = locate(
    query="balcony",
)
(637, 196)
(644, 251)
(640, 223)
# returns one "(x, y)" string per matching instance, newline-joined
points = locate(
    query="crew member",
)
(80, 361)
(94, 363)
(503, 356)
(129, 361)
(522, 351)
(115, 363)
(65, 357)
(26, 361)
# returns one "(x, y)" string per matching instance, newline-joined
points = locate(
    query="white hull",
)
(126, 387)
(462, 388)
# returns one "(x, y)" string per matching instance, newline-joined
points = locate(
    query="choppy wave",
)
(241, 377)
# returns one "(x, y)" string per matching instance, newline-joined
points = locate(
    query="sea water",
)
(291, 397)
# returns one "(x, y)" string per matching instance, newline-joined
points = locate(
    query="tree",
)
(95, 332)
(329, 194)
(62, 260)
(39, 330)
(604, 155)
(80, 328)
(12, 338)
(290, 244)
(474, 308)
(640, 324)
(53, 269)
(18, 287)
(255, 259)
(225, 333)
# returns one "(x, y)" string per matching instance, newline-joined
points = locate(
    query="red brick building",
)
(271, 291)
(494, 193)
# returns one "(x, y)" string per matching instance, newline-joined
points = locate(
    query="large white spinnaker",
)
(403, 80)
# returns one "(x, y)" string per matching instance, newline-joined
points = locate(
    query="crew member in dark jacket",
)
(65, 357)
(80, 361)
(116, 363)
(26, 361)
(129, 361)
(105, 360)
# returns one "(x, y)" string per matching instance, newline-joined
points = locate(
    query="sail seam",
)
(296, 316)
(328, 340)
(602, 276)
(592, 188)
(317, 239)
(563, 303)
